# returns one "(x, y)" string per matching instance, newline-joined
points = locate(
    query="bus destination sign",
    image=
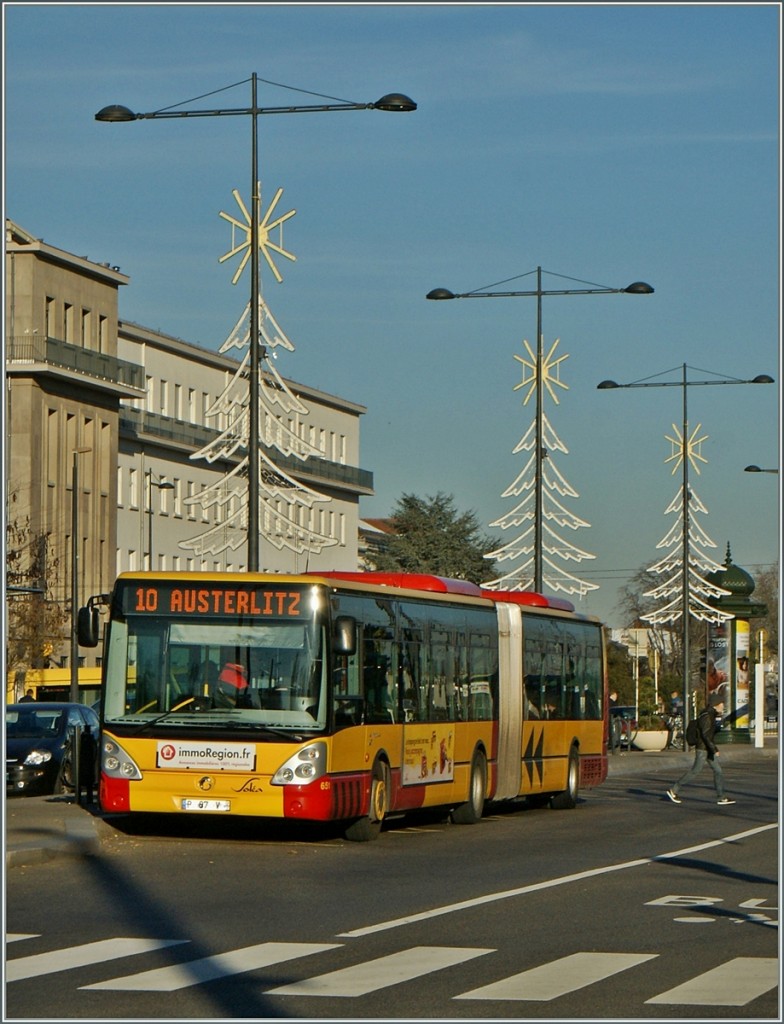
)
(181, 599)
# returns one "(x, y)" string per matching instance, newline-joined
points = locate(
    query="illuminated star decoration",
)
(266, 225)
(551, 369)
(690, 448)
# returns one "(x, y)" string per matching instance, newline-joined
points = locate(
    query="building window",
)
(103, 334)
(191, 505)
(68, 325)
(133, 488)
(120, 495)
(49, 322)
(52, 437)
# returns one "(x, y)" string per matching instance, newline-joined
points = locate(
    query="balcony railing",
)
(53, 352)
(135, 422)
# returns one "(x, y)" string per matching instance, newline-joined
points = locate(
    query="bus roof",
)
(446, 585)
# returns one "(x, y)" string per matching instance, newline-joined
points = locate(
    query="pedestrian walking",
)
(706, 752)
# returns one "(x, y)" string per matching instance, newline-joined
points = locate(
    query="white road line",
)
(81, 956)
(550, 883)
(18, 936)
(210, 968)
(560, 976)
(376, 974)
(735, 983)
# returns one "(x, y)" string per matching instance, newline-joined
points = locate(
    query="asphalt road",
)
(627, 907)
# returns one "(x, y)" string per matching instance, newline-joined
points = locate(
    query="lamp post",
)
(684, 383)
(118, 113)
(438, 294)
(756, 469)
(162, 485)
(73, 694)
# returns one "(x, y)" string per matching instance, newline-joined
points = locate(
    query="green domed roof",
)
(733, 578)
(740, 586)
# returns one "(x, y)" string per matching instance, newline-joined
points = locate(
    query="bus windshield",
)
(238, 655)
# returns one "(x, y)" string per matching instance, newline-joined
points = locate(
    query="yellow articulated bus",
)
(344, 697)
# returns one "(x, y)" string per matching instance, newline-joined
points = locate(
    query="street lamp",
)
(73, 694)
(116, 113)
(756, 469)
(438, 294)
(685, 384)
(162, 485)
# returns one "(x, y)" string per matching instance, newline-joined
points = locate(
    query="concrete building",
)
(128, 407)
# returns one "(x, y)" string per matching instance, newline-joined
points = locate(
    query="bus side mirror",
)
(344, 640)
(88, 624)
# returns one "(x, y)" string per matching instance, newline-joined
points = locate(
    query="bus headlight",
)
(116, 763)
(303, 767)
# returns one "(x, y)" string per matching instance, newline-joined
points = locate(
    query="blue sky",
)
(606, 143)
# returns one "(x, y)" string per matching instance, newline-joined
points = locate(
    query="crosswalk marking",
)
(737, 982)
(376, 974)
(734, 983)
(80, 956)
(559, 977)
(209, 968)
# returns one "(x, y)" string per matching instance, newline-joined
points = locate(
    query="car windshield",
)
(33, 724)
(216, 670)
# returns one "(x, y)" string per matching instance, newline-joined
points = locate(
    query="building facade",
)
(122, 410)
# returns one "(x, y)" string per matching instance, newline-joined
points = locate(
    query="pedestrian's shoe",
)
(677, 800)
(724, 801)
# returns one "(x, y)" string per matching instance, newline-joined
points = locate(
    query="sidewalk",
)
(44, 828)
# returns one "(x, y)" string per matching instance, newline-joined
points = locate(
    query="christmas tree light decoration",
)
(555, 577)
(286, 507)
(686, 535)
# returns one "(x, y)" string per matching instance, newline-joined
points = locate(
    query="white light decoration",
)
(554, 486)
(286, 506)
(685, 536)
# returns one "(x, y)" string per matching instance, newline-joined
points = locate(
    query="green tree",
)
(431, 536)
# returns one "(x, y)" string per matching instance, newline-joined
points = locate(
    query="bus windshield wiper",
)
(159, 718)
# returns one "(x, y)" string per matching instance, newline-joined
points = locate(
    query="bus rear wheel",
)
(567, 798)
(470, 812)
(369, 826)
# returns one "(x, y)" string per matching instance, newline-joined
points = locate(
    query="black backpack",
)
(692, 733)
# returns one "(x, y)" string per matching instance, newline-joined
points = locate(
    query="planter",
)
(653, 739)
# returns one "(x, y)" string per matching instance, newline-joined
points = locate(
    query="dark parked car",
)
(623, 719)
(39, 745)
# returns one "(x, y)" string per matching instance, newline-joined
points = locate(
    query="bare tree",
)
(36, 623)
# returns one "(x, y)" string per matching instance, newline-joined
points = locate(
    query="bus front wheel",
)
(470, 812)
(369, 826)
(567, 798)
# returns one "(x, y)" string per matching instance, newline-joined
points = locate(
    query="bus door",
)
(510, 701)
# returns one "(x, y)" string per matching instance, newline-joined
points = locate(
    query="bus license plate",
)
(206, 805)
